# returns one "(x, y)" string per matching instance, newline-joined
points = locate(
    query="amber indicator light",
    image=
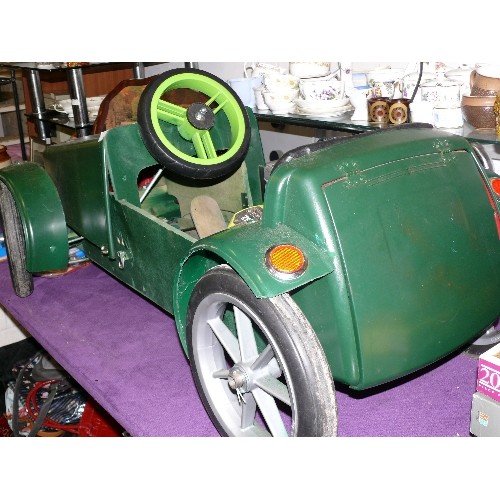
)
(286, 259)
(495, 184)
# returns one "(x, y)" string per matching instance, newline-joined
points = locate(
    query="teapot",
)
(260, 69)
(442, 91)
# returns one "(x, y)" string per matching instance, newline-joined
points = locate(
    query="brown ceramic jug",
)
(482, 84)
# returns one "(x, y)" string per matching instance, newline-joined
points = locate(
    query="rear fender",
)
(42, 216)
(244, 248)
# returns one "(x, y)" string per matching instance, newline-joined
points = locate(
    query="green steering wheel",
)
(205, 139)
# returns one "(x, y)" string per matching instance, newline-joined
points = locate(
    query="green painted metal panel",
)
(77, 169)
(244, 249)
(360, 200)
(151, 249)
(420, 251)
(255, 161)
(126, 156)
(326, 304)
(41, 214)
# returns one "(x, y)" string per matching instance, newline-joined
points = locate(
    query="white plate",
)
(92, 116)
(321, 106)
(337, 112)
(322, 78)
(283, 111)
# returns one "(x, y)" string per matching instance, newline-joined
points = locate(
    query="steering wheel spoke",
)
(220, 105)
(204, 145)
(171, 113)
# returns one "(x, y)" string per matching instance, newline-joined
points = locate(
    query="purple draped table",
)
(125, 352)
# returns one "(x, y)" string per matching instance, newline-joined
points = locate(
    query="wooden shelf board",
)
(9, 109)
(9, 140)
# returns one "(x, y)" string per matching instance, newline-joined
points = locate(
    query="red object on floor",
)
(96, 422)
(5, 430)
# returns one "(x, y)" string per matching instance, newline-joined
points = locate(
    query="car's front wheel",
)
(257, 364)
(22, 280)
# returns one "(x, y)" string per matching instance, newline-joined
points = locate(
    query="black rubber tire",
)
(166, 157)
(22, 280)
(305, 371)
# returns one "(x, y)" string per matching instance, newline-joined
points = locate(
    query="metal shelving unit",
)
(17, 107)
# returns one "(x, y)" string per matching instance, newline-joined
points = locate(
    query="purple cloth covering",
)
(125, 352)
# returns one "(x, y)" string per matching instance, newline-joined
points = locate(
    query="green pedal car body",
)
(357, 260)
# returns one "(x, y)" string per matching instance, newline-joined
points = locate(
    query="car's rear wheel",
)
(193, 124)
(22, 280)
(257, 364)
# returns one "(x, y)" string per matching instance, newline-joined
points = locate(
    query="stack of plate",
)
(317, 107)
(93, 104)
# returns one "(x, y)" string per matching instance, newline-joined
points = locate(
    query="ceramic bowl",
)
(489, 70)
(321, 106)
(461, 74)
(280, 108)
(323, 90)
(410, 80)
(324, 78)
(309, 69)
(478, 111)
(281, 96)
(93, 103)
(280, 83)
(280, 102)
(64, 106)
(385, 75)
(383, 81)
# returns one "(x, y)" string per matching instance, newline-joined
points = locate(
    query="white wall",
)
(223, 70)
(226, 70)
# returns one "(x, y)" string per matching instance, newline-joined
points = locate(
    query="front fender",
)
(42, 216)
(244, 248)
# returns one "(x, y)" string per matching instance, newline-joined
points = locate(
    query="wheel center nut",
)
(200, 116)
(236, 379)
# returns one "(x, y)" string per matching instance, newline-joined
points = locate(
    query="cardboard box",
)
(484, 416)
(488, 373)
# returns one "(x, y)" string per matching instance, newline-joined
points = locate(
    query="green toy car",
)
(357, 260)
